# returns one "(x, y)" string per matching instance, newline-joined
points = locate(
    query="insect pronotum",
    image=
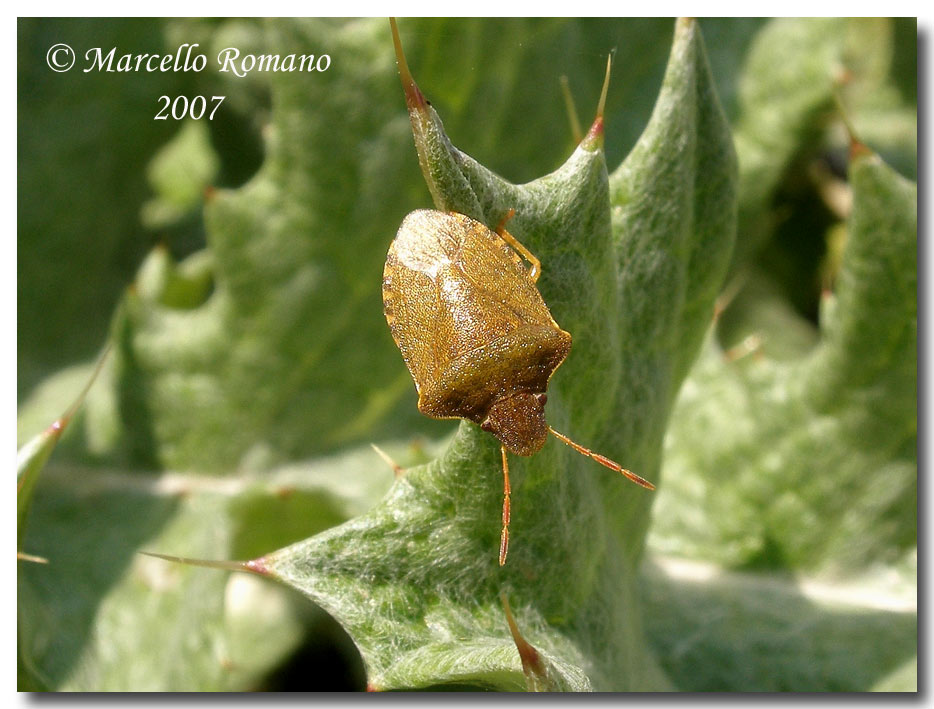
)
(476, 334)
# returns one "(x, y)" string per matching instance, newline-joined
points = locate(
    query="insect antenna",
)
(603, 460)
(504, 538)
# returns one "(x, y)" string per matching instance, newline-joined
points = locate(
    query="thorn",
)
(532, 666)
(594, 137)
(836, 194)
(606, 85)
(396, 468)
(683, 24)
(576, 133)
(58, 426)
(284, 492)
(857, 147)
(23, 556)
(413, 96)
(750, 344)
(727, 296)
(256, 566)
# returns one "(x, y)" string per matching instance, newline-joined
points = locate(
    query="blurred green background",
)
(108, 197)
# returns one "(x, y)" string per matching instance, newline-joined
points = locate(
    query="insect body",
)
(475, 333)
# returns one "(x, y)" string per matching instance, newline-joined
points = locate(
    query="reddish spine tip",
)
(844, 76)
(257, 566)
(370, 687)
(210, 192)
(413, 96)
(528, 654)
(396, 468)
(597, 128)
(594, 138)
(858, 149)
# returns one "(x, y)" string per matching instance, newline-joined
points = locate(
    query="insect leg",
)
(504, 538)
(536, 269)
(603, 460)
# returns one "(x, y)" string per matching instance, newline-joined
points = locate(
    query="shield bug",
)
(476, 334)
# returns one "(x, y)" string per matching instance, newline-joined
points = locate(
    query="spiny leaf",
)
(415, 580)
(828, 478)
(792, 72)
(78, 229)
(681, 242)
(168, 399)
(32, 457)
(87, 620)
(903, 679)
(731, 631)
(189, 628)
(290, 305)
(179, 174)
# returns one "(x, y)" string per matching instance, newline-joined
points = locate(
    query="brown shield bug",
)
(476, 334)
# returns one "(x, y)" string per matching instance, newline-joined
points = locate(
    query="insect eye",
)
(541, 398)
(486, 425)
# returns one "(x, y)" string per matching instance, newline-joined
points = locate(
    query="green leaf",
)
(415, 581)
(35, 453)
(786, 104)
(338, 172)
(815, 465)
(78, 231)
(720, 631)
(179, 174)
(189, 627)
(903, 679)
(290, 304)
(213, 372)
